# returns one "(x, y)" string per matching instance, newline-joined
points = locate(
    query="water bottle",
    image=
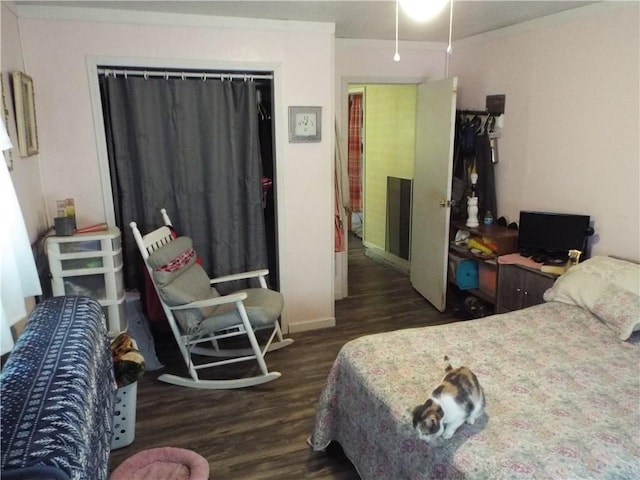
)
(488, 218)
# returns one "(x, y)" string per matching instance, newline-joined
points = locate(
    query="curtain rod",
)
(178, 74)
(474, 112)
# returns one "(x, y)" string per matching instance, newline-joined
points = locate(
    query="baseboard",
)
(393, 261)
(312, 324)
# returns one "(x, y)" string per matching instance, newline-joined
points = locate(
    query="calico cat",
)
(458, 398)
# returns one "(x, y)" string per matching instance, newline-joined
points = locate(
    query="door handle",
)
(447, 203)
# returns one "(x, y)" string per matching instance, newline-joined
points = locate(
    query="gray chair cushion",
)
(263, 307)
(181, 280)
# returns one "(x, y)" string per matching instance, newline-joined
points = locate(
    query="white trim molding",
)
(170, 19)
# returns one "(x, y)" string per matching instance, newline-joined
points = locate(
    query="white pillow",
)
(583, 284)
(607, 287)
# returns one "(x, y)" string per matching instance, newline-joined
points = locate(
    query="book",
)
(555, 266)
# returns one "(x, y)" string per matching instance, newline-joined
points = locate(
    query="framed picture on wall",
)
(23, 100)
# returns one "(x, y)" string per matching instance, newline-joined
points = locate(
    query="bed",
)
(561, 379)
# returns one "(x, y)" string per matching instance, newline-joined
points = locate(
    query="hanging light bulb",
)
(422, 10)
(396, 57)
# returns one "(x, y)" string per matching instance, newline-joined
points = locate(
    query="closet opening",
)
(199, 143)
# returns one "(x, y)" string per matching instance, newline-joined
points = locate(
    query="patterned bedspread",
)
(562, 390)
(57, 394)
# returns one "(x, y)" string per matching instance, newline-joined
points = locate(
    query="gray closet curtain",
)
(192, 147)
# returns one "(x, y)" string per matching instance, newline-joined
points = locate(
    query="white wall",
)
(371, 61)
(56, 52)
(571, 136)
(26, 171)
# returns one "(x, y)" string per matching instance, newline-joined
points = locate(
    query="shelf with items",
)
(480, 245)
(474, 276)
(91, 264)
(500, 240)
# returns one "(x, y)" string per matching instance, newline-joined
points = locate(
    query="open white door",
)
(435, 129)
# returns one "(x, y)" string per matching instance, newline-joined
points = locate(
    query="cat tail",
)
(447, 366)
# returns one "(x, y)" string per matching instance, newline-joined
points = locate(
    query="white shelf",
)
(91, 264)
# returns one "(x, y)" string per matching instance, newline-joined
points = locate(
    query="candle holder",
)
(472, 212)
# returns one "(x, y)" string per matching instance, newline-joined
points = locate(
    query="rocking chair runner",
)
(198, 314)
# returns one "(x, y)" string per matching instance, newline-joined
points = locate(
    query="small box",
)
(488, 278)
(64, 226)
(124, 416)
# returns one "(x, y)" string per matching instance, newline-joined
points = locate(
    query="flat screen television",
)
(552, 234)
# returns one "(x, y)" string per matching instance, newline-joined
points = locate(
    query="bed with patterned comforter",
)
(561, 379)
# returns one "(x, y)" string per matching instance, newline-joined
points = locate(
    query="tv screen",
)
(551, 233)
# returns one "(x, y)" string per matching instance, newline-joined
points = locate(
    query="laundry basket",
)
(124, 416)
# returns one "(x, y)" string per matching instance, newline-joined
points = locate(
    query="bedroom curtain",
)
(190, 145)
(18, 273)
(355, 152)
(339, 205)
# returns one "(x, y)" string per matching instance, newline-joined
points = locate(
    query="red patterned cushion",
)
(179, 262)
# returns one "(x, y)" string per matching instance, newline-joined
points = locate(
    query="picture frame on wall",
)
(23, 100)
(305, 124)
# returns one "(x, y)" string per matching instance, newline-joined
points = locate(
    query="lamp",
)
(422, 10)
(18, 273)
(472, 203)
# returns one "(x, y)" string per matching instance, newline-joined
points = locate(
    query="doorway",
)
(436, 124)
(355, 162)
(387, 146)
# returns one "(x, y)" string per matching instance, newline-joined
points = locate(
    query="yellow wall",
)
(390, 118)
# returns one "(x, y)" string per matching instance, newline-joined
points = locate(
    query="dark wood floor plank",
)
(260, 432)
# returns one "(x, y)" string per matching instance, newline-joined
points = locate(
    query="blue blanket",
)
(57, 391)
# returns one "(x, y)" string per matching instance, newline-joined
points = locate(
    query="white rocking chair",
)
(198, 314)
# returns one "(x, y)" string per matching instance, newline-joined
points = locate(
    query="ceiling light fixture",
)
(422, 10)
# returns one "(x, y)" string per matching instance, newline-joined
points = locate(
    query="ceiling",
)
(353, 19)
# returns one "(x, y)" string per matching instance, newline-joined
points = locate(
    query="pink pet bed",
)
(164, 463)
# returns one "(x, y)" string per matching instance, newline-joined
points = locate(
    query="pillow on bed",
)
(577, 287)
(605, 285)
(583, 284)
(619, 309)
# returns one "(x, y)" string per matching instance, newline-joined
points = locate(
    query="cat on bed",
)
(457, 399)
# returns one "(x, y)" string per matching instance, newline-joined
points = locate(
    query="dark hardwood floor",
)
(260, 432)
